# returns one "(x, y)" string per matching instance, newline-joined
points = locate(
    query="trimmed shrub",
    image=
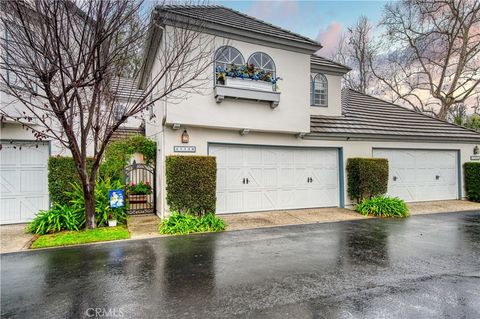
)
(471, 172)
(367, 177)
(62, 174)
(191, 184)
(383, 206)
(178, 224)
(119, 152)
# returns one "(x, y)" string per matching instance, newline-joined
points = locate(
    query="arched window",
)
(227, 55)
(263, 61)
(319, 90)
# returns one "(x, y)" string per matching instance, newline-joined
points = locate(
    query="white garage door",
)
(251, 178)
(421, 175)
(23, 182)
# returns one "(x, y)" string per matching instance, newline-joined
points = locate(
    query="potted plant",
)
(137, 193)
(112, 222)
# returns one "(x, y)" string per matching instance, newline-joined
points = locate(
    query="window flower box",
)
(223, 91)
(249, 84)
(138, 193)
(137, 199)
(246, 82)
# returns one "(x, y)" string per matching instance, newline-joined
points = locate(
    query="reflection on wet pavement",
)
(424, 266)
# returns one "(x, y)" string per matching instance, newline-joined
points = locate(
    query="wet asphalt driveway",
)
(421, 267)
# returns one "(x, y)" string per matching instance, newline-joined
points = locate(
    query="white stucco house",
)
(287, 147)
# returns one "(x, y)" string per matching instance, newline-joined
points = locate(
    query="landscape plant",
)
(383, 206)
(246, 71)
(140, 188)
(102, 202)
(472, 180)
(191, 184)
(72, 216)
(367, 177)
(178, 224)
(118, 154)
(62, 174)
(58, 218)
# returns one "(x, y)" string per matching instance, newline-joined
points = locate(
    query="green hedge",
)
(61, 174)
(367, 177)
(471, 171)
(191, 184)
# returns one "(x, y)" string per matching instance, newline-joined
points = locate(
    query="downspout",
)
(162, 166)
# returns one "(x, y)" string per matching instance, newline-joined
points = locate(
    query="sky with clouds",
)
(321, 20)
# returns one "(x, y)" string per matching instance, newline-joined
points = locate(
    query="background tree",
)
(458, 114)
(61, 59)
(431, 55)
(357, 49)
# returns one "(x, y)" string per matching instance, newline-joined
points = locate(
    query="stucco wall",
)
(291, 115)
(200, 138)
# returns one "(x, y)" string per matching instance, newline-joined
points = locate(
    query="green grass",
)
(67, 238)
(180, 224)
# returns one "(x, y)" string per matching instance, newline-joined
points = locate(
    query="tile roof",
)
(364, 115)
(227, 17)
(322, 62)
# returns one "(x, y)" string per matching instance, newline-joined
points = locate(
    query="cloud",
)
(328, 38)
(274, 10)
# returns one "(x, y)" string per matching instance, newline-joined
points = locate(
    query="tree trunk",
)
(442, 114)
(89, 196)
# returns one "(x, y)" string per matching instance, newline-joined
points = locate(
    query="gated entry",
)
(140, 188)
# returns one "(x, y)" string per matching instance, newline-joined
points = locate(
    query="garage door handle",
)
(437, 177)
(243, 180)
(247, 181)
(394, 178)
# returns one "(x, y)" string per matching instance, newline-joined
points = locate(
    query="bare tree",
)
(433, 60)
(357, 49)
(61, 60)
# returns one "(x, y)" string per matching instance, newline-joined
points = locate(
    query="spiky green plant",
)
(383, 206)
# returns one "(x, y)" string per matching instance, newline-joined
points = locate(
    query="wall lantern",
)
(185, 137)
(476, 150)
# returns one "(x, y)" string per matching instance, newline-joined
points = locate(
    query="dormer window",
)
(319, 90)
(263, 61)
(226, 56)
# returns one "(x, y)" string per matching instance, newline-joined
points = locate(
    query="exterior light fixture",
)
(185, 137)
(476, 151)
